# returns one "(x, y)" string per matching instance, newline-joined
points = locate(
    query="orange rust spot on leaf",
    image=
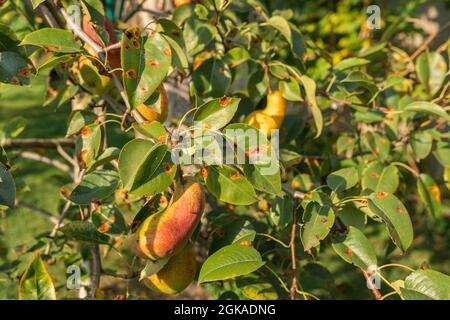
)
(224, 101)
(153, 63)
(131, 74)
(235, 176)
(167, 52)
(400, 210)
(348, 252)
(104, 227)
(381, 194)
(85, 132)
(204, 172)
(436, 192)
(163, 202)
(245, 243)
(323, 220)
(373, 175)
(295, 184)
(136, 44)
(24, 72)
(162, 139)
(167, 167)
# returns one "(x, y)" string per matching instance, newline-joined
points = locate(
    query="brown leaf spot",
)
(163, 202)
(235, 176)
(24, 72)
(204, 172)
(225, 101)
(220, 232)
(167, 167)
(104, 227)
(136, 44)
(381, 194)
(348, 252)
(131, 74)
(373, 175)
(153, 63)
(85, 132)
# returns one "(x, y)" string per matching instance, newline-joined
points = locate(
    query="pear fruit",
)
(176, 275)
(271, 117)
(165, 233)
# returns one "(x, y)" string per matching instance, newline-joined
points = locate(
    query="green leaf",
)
(36, 3)
(350, 63)
(197, 35)
(239, 231)
(236, 56)
(310, 89)
(53, 39)
(7, 188)
(89, 143)
(95, 186)
(154, 130)
(352, 216)
(442, 153)
(84, 231)
(229, 185)
(290, 90)
(229, 262)
(304, 182)
(107, 156)
(212, 78)
(355, 248)
(257, 288)
(289, 32)
(78, 120)
(395, 216)
(144, 168)
(217, 113)
(109, 220)
(318, 221)
(427, 284)
(377, 144)
(263, 181)
(377, 177)
(343, 179)
(14, 69)
(8, 39)
(281, 210)
(431, 70)
(36, 283)
(421, 143)
(428, 108)
(430, 194)
(346, 142)
(145, 60)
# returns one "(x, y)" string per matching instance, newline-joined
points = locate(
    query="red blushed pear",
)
(163, 234)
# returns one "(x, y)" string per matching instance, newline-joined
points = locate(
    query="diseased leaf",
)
(395, 216)
(217, 113)
(146, 59)
(84, 231)
(318, 221)
(7, 188)
(53, 39)
(428, 108)
(355, 248)
(430, 194)
(95, 187)
(36, 283)
(230, 262)
(343, 179)
(310, 89)
(377, 177)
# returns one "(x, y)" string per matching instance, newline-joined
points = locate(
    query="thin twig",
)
(96, 268)
(38, 143)
(43, 212)
(65, 155)
(294, 288)
(372, 287)
(294, 193)
(428, 41)
(37, 157)
(119, 275)
(57, 225)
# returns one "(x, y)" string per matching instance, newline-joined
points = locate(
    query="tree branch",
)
(43, 212)
(375, 291)
(96, 268)
(294, 193)
(428, 41)
(294, 288)
(119, 275)
(38, 143)
(36, 156)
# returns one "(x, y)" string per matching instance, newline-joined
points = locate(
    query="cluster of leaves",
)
(366, 119)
